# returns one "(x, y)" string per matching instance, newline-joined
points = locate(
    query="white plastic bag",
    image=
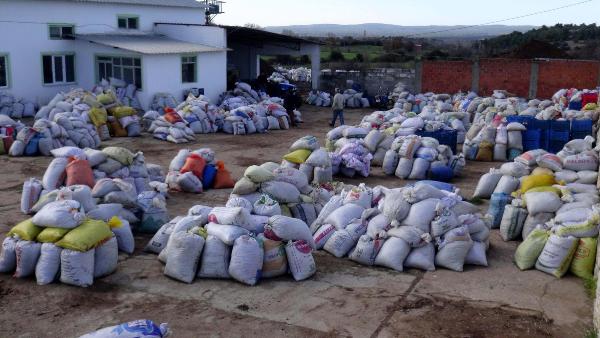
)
(106, 257)
(300, 260)
(27, 254)
(393, 253)
(215, 259)
(246, 260)
(289, 229)
(183, 256)
(8, 258)
(77, 268)
(48, 265)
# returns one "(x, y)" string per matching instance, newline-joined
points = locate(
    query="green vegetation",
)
(590, 333)
(590, 285)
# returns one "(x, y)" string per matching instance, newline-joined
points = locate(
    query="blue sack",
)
(496, 210)
(438, 185)
(208, 177)
(441, 173)
(138, 328)
(31, 149)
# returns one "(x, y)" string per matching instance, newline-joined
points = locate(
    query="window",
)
(3, 71)
(58, 68)
(128, 22)
(128, 69)
(61, 32)
(188, 69)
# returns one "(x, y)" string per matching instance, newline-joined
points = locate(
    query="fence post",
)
(418, 75)
(533, 80)
(475, 75)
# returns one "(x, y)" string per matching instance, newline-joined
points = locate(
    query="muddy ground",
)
(342, 299)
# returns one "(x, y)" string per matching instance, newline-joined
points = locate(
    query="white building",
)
(47, 46)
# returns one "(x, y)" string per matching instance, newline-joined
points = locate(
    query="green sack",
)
(585, 257)
(528, 252)
(52, 235)
(258, 174)
(120, 154)
(98, 116)
(298, 156)
(26, 230)
(86, 236)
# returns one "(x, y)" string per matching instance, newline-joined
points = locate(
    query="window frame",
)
(7, 73)
(195, 63)
(127, 17)
(139, 86)
(60, 26)
(52, 55)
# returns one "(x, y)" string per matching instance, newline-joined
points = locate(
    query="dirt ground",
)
(342, 299)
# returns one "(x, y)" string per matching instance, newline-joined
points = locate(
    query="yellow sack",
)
(590, 106)
(530, 249)
(285, 210)
(86, 236)
(485, 152)
(26, 230)
(585, 257)
(534, 181)
(52, 235)
(105, 99)
(98, 116)
(123, 111)
(299, 156)
(541, 171)
(557, 191)
(91, 101)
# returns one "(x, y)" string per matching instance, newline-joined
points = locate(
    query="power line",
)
(498, 21)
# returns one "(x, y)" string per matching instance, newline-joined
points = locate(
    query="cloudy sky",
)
(405, 12)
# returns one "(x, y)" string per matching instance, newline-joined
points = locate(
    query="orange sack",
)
(116, 130)
(171, 116)
(194, 163)
(79, 172)
(223, 179)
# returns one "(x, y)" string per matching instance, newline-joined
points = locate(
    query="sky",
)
(405, 12)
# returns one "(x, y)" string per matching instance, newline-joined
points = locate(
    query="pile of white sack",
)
(65, 129)
(277, 77)
(354, 99)
(107, 183)
(351, 155)
(14, 107)
(418, 227)
(377, 142)
(494, 141)
(268, 114)
(126, 94)
(300, 74)
(241, 241)
(194, 171)
(538, 185)
(179, 124)
(62, 243)
(160, 101)
(319, 99)
(416, 158)
(242, 95)
(287, 188)
(312, 160)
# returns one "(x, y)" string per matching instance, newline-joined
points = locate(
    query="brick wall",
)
(557, 74)
(446, 76)
(512, 75)
(508, 74)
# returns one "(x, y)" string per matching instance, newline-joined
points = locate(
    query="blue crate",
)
(445, 137)
(531, 139)
(581, 128)
(524, 119)
(544, 127)
(560, 126)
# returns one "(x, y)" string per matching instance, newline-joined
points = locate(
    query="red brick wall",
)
(508, 74)
(446, 76)
(557, 74)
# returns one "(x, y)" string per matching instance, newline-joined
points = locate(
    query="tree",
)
(253, 26)
(336, 56)
(359, 58)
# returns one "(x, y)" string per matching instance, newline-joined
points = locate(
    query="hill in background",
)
(377, 29)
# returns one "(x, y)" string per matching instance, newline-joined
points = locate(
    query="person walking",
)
(338, 108)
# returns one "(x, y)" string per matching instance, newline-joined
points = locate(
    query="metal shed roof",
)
(162, 3)
(148, 44)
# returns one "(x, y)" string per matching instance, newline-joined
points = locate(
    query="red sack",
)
(194, 163)
(172, 117)
(79, 172)
(8, 141)
(223, 178)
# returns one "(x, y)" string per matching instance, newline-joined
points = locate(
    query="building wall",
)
(557, 74)
(446, 76)
(508, 74)
(540, 78)
(27, 41)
